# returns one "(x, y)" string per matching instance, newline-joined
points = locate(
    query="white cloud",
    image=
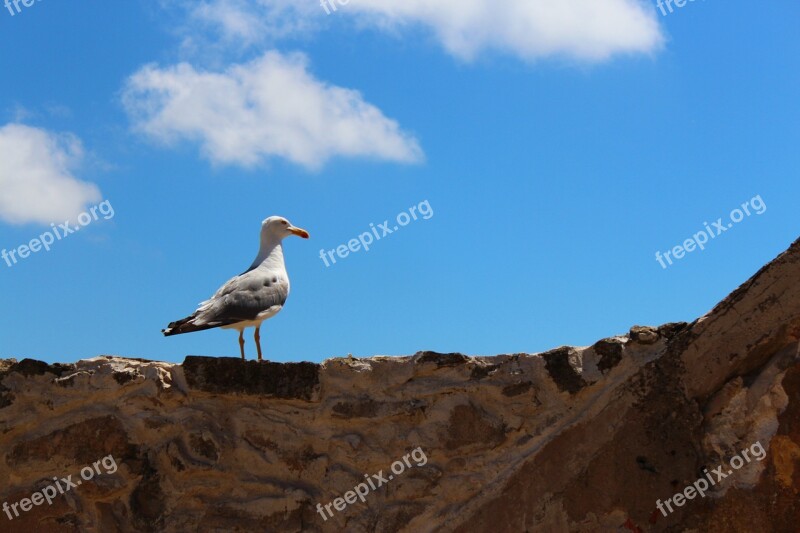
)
(588, 30)
(36, 182)
(251, 22)
(269, 107)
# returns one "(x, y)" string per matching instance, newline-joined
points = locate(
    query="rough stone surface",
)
(582, 439)
(643, 335)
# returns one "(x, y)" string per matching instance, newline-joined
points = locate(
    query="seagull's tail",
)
(186, 325)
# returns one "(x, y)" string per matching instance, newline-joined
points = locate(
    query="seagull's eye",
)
(284, 223)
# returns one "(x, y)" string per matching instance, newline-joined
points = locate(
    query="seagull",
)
(251, 297)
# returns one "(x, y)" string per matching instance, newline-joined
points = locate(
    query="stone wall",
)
(575, 439)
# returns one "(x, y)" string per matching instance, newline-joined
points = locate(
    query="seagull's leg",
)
(241, 342)
(258, 341)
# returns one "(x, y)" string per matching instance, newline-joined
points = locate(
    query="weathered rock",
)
(561, 363)
(583, 439)
(644, 335)
(610, 352)
(226, 375)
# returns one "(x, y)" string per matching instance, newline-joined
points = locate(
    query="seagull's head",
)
(280, 228)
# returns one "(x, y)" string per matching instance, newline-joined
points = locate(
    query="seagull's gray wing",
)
(241, 299)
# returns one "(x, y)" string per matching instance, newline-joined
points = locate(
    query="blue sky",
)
(558, 150)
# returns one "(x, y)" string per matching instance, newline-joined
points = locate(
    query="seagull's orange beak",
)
(299, 232)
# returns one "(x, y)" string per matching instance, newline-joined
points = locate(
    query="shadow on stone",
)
(231, 375)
